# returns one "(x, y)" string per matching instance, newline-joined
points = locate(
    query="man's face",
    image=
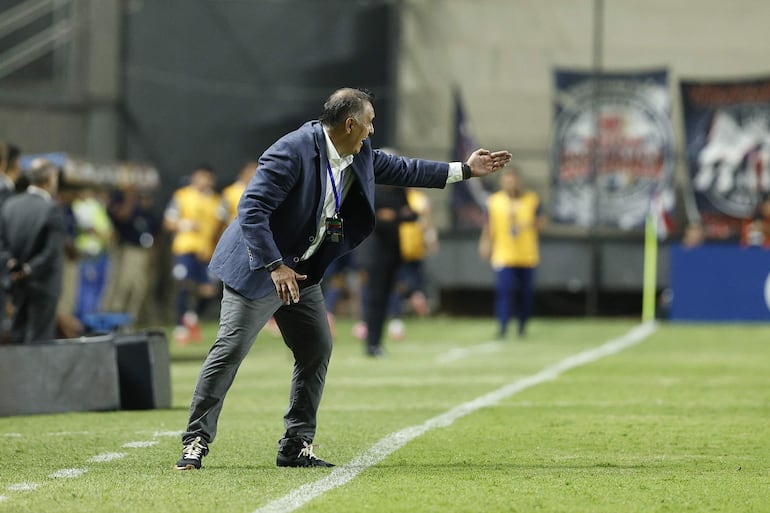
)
(203, 180)
(359, 130)
(509, 181)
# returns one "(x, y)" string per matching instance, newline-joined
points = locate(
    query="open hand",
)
(285, 280)
(483, 162)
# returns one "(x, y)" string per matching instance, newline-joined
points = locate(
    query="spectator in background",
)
(9, 170)
(31, 249)
(417, 240)
(133, 214)
(231, 194)
(756, 231)
(195, 216)
(9, 173)
(391, 209)
(510, 240)
(93, 236)
(68, 326)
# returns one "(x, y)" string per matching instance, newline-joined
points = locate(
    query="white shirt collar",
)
(333, 154)
(33, 189)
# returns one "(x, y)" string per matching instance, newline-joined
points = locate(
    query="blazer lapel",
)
(323, 162)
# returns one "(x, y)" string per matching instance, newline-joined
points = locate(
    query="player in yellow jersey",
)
(195, 217)
(231, 194)
(417, 240)
(510, 241)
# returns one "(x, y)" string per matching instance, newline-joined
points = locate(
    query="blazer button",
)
(295, 259)
(311, 238)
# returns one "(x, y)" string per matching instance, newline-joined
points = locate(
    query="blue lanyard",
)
(337, 195)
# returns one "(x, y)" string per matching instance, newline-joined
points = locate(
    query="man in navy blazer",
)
(310, 201)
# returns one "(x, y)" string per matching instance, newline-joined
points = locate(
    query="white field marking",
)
(106, 457)
(139, 445)
(458, 353)
(22, 487)
(68, 473)
(391, 443)
(53, 433)
(157, 434)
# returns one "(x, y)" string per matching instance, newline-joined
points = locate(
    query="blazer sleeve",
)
(408, 172)
(275, 177)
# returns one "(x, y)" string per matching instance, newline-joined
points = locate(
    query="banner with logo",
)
(612, 152)
(727, 129)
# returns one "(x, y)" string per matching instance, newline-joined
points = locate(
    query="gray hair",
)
(40, 172)
(345, 103)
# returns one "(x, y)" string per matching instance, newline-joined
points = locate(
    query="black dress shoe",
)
(375, 351)
(295, 456)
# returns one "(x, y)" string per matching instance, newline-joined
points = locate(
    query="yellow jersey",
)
(513, 229)
(231, 196)
(411, 234)
(205, 212)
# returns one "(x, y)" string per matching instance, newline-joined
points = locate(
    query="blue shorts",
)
(189, 267)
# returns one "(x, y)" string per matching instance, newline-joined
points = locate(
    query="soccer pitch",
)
(580, 416)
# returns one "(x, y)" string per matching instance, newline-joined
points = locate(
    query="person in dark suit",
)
(310, 201)
(32, 246)
(391, 209)
(9, 173)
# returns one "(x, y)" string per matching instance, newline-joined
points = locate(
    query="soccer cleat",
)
(192, 454)
(374, 352)
(291, 455)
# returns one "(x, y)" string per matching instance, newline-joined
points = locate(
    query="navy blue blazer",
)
(280, 209)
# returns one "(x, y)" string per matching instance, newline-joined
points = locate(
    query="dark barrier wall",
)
(219, 81)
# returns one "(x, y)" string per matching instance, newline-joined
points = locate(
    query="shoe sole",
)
(186, 467)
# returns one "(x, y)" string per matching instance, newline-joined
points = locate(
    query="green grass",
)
(677, 423)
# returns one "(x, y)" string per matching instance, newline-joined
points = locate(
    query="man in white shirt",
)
(310, 201)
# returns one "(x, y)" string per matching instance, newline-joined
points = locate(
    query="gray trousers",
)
(305, 331)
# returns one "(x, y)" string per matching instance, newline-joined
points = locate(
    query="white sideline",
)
(68, 473)
(391, 443)
(22, 487)
(458, 353)
(139, 445)
(106, 457)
